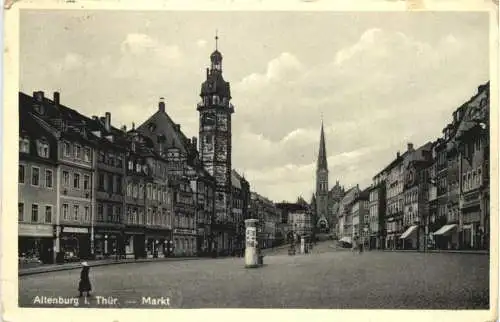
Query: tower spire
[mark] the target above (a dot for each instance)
(216, 39)
(322, 163)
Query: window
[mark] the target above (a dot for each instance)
(34, 213)
(24, 145)
(22, 173)
(86, 182)
(76, 181)
(135, 191)
(119, 161)
(20, 211)
(78, 152)
(111, 159)
(102, 157)
(66, 149)
(154, 192)
(65, 178)
(65, 211)
(87, 155)
(76, 210)
(35, 176)
(141, 191)
(86, 214)
(138, 167)
(129, 189)
(48, 214)
(479, 177)
(101, 182)
(110, 184)
(118, 213)
(131, 165)
(109, 213)
(48, 178)
(100, 212)
(43, 148)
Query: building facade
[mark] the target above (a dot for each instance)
(215, 111)
(37, 187)
(377, 209)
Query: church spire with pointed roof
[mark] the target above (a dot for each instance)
(322, 182)
(322, 162)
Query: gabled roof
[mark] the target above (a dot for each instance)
(163, 125)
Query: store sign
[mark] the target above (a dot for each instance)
(184, 231)
(76, 230)
(36, 230)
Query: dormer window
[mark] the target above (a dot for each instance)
(215, 99)
(131, 165)
(152, 127)
(133, 146)
(138, 167)
(43, 148)
(24, 144)
(78, 152)
(66, 149)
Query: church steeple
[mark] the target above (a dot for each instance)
(322, 163)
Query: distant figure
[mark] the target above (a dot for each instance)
(84, 284)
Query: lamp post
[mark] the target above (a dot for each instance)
(365, 229)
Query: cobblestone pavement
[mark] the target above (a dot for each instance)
(339, 280)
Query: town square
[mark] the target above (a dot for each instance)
(204, 160)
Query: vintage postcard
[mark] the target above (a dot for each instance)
(337, 158)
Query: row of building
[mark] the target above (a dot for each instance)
(87, 189)
(433, 196)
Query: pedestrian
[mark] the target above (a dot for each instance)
(84, 284)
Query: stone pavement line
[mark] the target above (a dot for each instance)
(475, 252)
(70, 266)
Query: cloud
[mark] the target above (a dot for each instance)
(70, 63)
(280, 69)
(372, 94)
(141, 54)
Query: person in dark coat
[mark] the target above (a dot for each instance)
(84, 284)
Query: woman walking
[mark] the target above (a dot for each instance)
(84, 284)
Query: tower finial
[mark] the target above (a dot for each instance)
(216, 39)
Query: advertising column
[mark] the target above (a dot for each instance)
(251, 256)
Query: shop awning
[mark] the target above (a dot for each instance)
(346, 239)
(408, 232)
(445, 229)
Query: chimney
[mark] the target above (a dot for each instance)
(195, 142)
(410, 146)
(208, 73)
(177, 127)
(38, 96)
(56, 98)
(161, 105)
(124, 128)
(95, 118)
(397, 154)
(107, 121)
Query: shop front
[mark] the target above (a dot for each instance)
(108, 243)
(447, 237)
(185, 242)
(134, 243)
(74, 243)
(158, 243)
(36, 243)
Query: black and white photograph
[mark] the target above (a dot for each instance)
(254, 160)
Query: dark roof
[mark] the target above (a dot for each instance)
(215, 85)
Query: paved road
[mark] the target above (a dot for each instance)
(336, 280)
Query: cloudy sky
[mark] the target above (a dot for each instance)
(379, 80)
